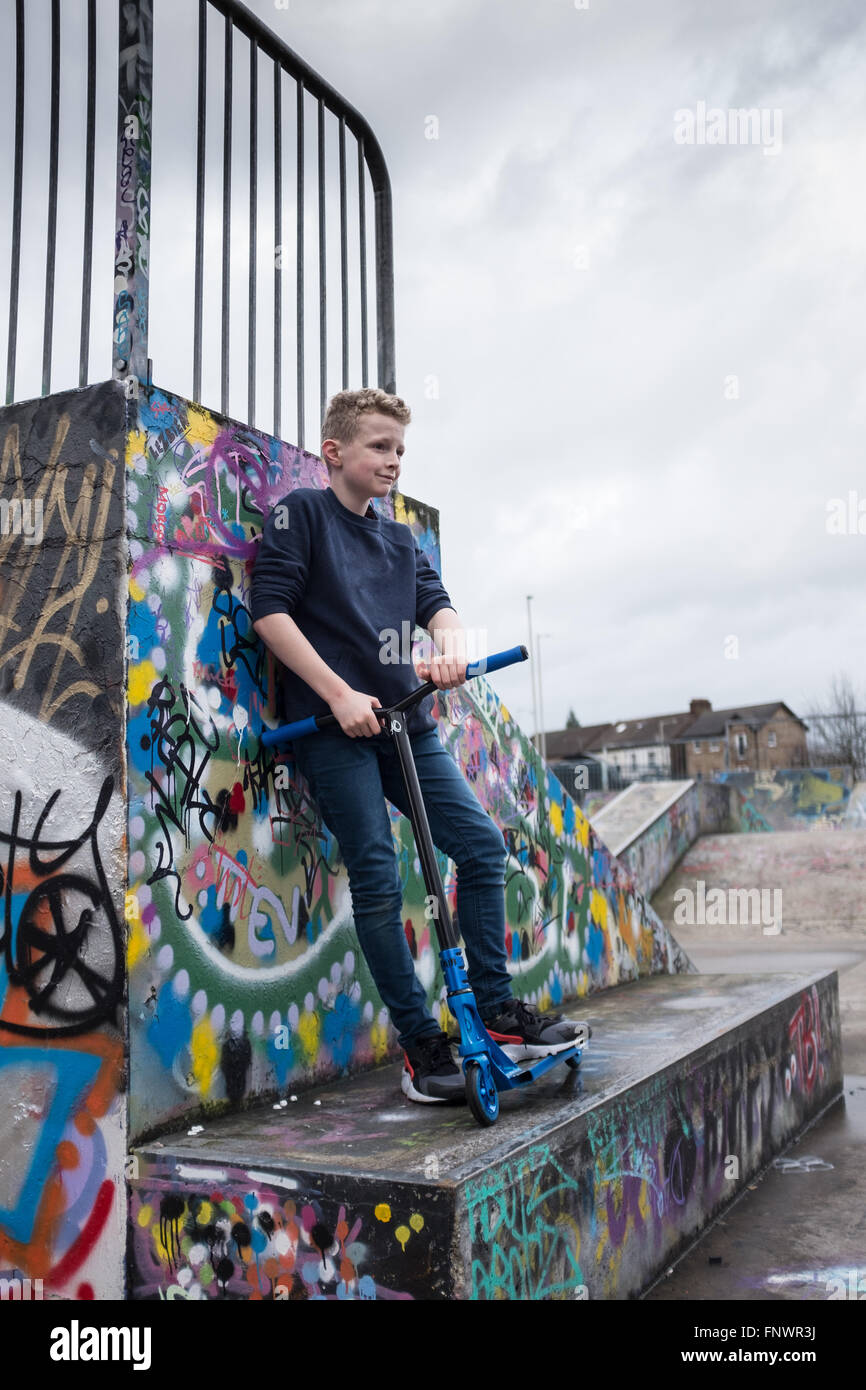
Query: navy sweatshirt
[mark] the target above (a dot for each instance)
(345, 579)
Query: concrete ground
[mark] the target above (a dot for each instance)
(799, 1232)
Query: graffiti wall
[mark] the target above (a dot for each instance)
(245, 976)
(599, 1209)
(357, 1200)
(789, 798)
(281, 1237)
(62, 843)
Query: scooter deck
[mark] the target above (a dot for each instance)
(476, 1044)
(515, 1075)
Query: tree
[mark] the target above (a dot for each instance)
(838, 735)
(572, 722)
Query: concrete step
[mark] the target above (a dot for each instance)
(588, 1186)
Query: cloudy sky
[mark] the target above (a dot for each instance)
(649, 353)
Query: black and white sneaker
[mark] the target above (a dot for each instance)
(523, 1032)
(430, 1073)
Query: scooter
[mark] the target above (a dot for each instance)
(486, 1068)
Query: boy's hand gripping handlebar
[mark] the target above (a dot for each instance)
(315, 722)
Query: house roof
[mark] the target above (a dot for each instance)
(572, 743)
(657, 729)
(711, 723)
(626, 733)
(642, 733)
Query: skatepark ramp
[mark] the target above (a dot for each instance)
(651, 825)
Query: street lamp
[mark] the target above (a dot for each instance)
(543, 748)
(532, 672)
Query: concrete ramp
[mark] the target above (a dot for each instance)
(855, 812)
(587, 1186)
(622, 820)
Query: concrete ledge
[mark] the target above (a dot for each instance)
(624, 819)
(586, 1187)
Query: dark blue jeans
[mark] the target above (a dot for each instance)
(349, 779)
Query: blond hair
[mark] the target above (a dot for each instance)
(344, 411)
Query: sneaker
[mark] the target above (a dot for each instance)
(522, 1032)
(430, 1073)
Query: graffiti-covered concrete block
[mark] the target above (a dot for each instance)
(62, 843)
(585, 1189)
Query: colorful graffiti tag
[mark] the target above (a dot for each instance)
(523, 1227)
(789, 798)
(598, 1210)
(271, 1237)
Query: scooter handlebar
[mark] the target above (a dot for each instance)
(496, 662)
(315, 722)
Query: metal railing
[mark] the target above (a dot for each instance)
(18, 46)
(114, 48)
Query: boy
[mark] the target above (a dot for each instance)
(331, 586)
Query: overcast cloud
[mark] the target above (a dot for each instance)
(584, 287)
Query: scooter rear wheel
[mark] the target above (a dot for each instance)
(481, 1094)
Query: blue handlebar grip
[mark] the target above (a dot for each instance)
(314, 723)
(496, 661)
(299, 729)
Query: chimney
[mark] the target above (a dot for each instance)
(697, 707)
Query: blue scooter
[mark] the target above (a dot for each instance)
(487, 1069)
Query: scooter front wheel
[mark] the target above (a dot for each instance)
(481, 1094)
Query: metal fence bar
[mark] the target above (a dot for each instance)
(278, 252)
(51, 244)
(130, 361)
(362, 225)
(254, 156)
(299, 293)
(199, 200)
(323, 269)
(90, 161)
(384, 274)
(246, 22)
(344, 257)
(227, 222)
(132, 215)
(15, 269)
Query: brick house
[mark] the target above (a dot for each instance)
(698, 743)
(746, 738)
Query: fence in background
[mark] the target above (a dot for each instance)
(277, 127)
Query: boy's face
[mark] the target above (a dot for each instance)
(369, 464)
